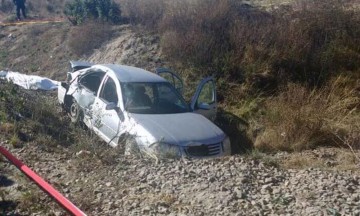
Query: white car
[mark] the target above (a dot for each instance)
(117, 101)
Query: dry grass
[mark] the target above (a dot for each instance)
(307, 42)
(299, 118)
(49, 8)
(7, 128)
(86, 38)
(33, 200)
(322, 158)
(147, 13)
(257, 52)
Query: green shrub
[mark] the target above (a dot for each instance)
(104, 10)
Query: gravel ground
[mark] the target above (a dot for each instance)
(233, 185)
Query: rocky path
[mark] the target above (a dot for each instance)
(229, 186)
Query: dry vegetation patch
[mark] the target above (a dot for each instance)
(84, 39)
(245, 43)
(299, 118)
(256, 52)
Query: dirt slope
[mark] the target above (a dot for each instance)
(43, 49)
(130, 48)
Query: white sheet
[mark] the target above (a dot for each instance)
(32, 82)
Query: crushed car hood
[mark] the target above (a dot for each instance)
(180, 129)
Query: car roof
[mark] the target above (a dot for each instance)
(132, 74)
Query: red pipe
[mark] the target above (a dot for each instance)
(65, 203)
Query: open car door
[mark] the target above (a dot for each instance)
(204, 100)
(172, 77)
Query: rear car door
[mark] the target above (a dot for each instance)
(88, 87)
(204, 100)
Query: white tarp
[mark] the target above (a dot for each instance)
(29, 81)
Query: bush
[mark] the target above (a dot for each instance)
(144, 12)
(6, 6)
(104, 10)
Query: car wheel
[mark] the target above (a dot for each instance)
(75, 112)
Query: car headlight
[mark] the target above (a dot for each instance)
(227, 146)
(164, 150)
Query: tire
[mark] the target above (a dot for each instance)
(75, 113)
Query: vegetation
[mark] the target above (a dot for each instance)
(87, 37)
(6, 6)
(30, 117)
(78, 11)
(289, 75)
(249, 44)
(299, 118)
(34, 118)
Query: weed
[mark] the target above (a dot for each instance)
(3, 58)
(169, 199)
(302, 162)
(282, 200)
(3, 194)
(15, 141)
(32, 201)
(7, 128)
(268, 160)
(33, 68)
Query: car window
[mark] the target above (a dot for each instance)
(92, 81)
(152, 98)
(167, 94)
(207, 94)
(177, 83)
(108, 92)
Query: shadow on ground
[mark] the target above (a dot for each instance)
(235, 128)
(7, 207)
(5, 181)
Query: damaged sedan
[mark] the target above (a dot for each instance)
(117, 102)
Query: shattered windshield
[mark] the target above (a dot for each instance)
(152, 98)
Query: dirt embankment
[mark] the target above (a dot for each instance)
(45, 49)
(130, 48)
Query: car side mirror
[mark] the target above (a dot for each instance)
(204, 106)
